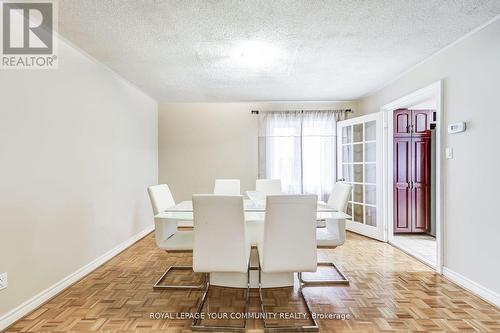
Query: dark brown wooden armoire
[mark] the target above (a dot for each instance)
(412, 170)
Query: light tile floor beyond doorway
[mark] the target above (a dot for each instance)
(423, 246)
(389, 292)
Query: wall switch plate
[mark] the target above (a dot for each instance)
(3, 281)
(449, 153)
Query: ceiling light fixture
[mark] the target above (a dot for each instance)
(255, 54)
(245, 59)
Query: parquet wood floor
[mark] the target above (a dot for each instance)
(389, 292)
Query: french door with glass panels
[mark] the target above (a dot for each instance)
(360, 163)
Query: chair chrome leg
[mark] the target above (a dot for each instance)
(159, 286)
(315, 283)
(286, 328)
(197, 326)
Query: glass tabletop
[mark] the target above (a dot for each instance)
(248, 206)
(254, 210)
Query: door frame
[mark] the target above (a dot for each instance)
(433, 90)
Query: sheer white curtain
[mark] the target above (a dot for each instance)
(319, 153)
(279, 148)
(300, 149)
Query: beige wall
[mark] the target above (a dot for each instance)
(471, 73)
(78, 148)
(200, 142)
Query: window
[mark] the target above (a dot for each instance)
(300, 149)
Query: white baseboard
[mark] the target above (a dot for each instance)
(17, 313)
(475, 288)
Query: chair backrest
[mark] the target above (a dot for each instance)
(268, 186)
(161, 198)
(340, 196)
(289, 243)
(219, 234)
(227, 186)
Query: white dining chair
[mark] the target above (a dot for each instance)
(289, 243)
(220, 244)
(167, 236)
(227, 186)
(268, 186)
(341, 192)
(263, 187)
(334, 233)
(339, 198)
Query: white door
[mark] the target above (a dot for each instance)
(360, 163)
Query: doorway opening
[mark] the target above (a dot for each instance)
(413, 178)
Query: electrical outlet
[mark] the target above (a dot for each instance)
(3, 281)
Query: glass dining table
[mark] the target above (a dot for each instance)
(254, 211)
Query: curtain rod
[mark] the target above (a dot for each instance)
(345, 110)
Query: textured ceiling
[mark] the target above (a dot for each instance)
(266, 50)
